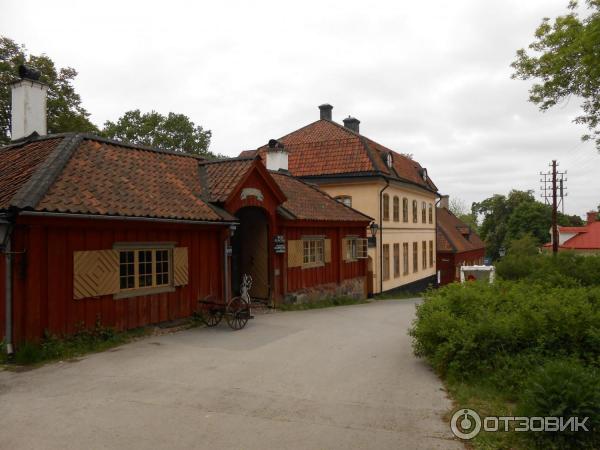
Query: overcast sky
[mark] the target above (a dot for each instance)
(427, 78)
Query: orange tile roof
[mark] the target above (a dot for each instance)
(221, 177)
(307, 202)
(450, 237)
(325, 148)
(18, 163)
(92, 175)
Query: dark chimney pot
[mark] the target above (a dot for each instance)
(325, 110)
(352, 123)
(592, 217)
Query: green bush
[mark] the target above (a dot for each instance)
(566, 269)
(474, 329)
(563, 388)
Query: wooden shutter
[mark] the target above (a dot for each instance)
(95, 273)
(295, 251)
(327, 250)
(180, 266)
(362, 246)
(345, 249)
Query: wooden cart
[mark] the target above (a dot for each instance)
(236, 311)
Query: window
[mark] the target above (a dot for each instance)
(430, 253)
(313, 252)
(424, 254)
(396, 209)
(385, 270)
(415, 256)
(430, 213)
(386, 207)
(414, 211)
(396, 260)
(356, 248)
(389, 160)
(405, 258)
(404, 209)
(144, 268)
(345, 199)
(423, 212)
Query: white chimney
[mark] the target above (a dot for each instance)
(445, 201)
(277, 156)
(28, 108)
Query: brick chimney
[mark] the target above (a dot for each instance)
(592, 216)
(352, 123)
(28, 107)
(325, 111)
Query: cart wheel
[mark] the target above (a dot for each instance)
(238, 313)
(211, 317)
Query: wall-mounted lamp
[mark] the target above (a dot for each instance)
(374, 227)
(232, 229)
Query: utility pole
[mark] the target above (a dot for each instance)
(554, 210)
(557, 189)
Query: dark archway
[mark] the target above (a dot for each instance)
(250, 252)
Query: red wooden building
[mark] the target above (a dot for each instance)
(104, 231)
(457, 245)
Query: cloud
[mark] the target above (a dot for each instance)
(427, 78)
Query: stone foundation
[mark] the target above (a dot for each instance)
(353, 288)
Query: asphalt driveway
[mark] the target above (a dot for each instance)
(333, 378)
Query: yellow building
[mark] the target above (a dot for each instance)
(383, 184)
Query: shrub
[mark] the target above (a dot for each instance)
(563, 388)
(473, 329)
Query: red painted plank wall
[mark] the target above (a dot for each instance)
(43, 276)
(334, 272)
(2, 296)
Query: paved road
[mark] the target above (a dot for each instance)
(334, 378)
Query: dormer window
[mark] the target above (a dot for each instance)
(424, 173)
(389, 160)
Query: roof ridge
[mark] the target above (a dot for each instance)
(221, 161)
(32, 192)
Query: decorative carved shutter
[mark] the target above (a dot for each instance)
(180, 266)
(295, 251)
(345, 249)
(327, 250)
(95, 273)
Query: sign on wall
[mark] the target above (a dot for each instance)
(279, 243)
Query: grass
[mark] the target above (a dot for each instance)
(328, 303)
(84, 341)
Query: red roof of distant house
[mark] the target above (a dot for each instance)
(453, 235)
(587, 237)
(326, 148)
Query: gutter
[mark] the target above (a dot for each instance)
(8, 291)
(387, 185)
(131, 218)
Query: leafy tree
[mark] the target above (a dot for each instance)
(526, 245)
(174, 132)
(566, 61)
(506, 218)
(65, 112)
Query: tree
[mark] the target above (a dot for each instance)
(458, 207)
(508, 218)
(65, 112)
(175, 132)
(526, 245)
(566, 61)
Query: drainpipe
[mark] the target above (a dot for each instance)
(387, 184)
(8, 296)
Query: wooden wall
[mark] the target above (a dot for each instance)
(334, 272)
(43, 275)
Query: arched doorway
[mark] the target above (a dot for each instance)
(250, 252)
